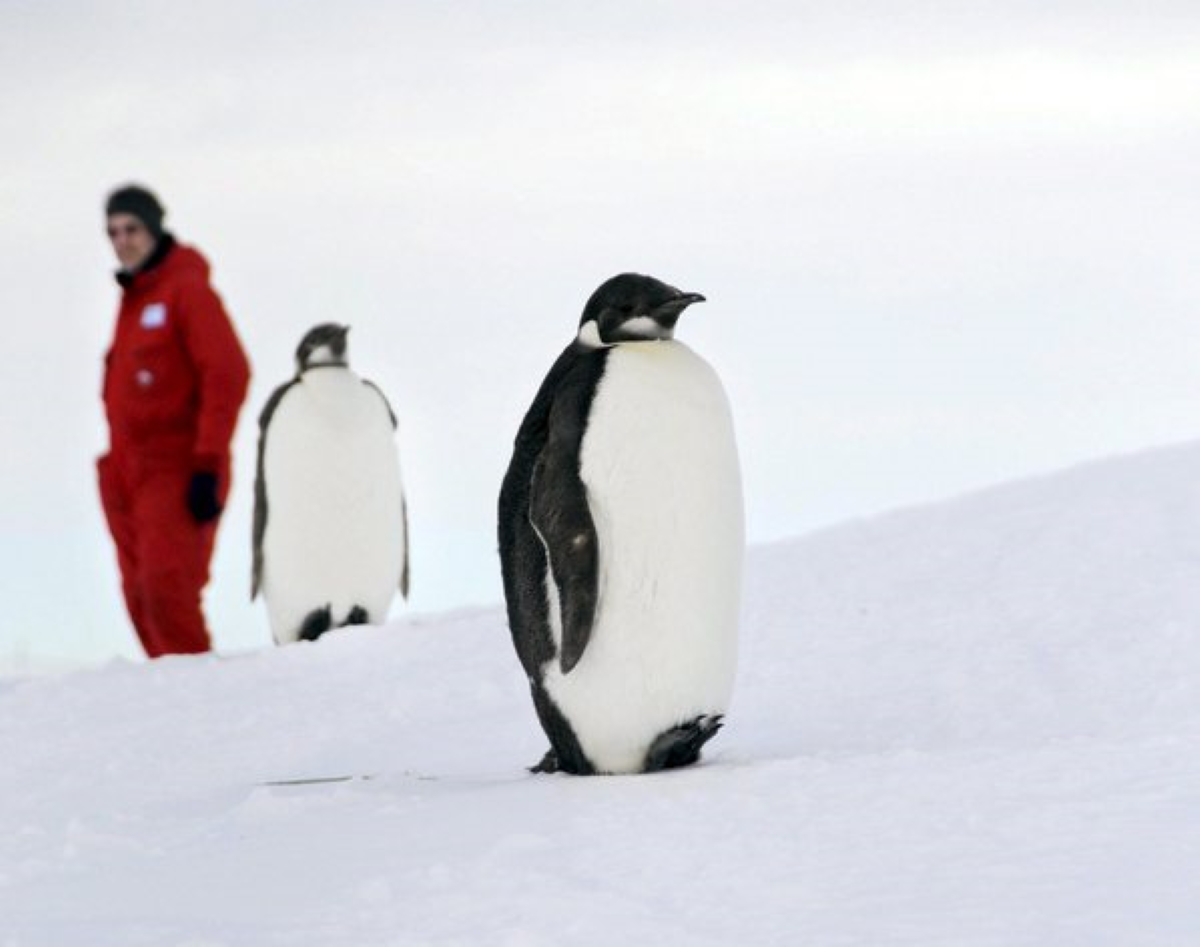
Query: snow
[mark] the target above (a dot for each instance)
(974, 723)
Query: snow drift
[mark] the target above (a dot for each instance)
(976, 723)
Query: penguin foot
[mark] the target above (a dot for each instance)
(315, 624)
(358, 616)
(680, 746)
(549, 763)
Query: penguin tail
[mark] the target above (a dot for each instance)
(680, 746)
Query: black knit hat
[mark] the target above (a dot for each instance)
(140, 202)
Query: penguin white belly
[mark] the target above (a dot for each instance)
(335, 530)
(659, 461)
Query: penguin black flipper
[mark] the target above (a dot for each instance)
(260, 483)
(404, 526)
(559, 512)
(565, 391)
(387, 404)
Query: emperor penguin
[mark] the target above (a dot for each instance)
(621, 540)
(330, 518)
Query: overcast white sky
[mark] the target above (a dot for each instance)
(943, 244)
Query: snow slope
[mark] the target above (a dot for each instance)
(976, 723)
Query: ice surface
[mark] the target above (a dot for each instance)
(975, 723)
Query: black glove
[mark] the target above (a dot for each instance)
(202, 497)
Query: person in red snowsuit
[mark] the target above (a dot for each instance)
(174, 381)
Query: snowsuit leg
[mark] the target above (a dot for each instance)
(163, 554)
(114, 498)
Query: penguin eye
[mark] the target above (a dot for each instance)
(626, 309)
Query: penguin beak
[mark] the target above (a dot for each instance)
(674, 307)
(669, 312)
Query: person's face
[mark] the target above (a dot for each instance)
(132, 242)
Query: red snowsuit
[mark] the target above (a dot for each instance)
(174, 381)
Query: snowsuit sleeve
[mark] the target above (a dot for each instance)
(222, 372)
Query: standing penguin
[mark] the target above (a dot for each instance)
(330, 524)
(621, 540)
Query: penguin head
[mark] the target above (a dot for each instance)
(322, 345)
(633, 308)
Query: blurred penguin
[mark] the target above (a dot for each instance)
(330, 521)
